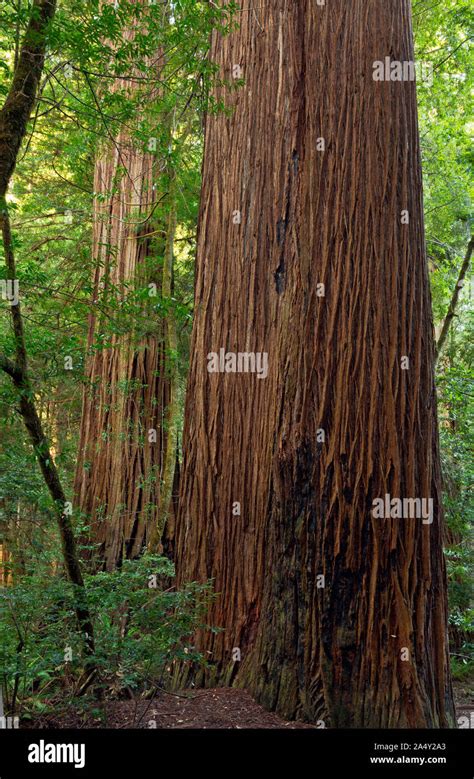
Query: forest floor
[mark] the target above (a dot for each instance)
(220, 708)
(216, 708)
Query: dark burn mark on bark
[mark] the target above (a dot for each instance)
(279, 277)
(348, 495)
(295, 159)
(279, 274)
(281, 231)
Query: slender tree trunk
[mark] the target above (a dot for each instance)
(455, 298)
(338, 615)
(6, 575)
(14, 117)
(21, 97)
(18, 372)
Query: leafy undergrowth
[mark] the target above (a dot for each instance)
(142, 626)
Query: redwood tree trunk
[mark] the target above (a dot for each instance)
(342, 418)
(123, 439)
(126, 393)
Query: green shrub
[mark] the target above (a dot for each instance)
(141, 626)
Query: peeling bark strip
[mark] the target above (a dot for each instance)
(369, 648)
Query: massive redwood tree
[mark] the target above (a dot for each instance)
(338, 614)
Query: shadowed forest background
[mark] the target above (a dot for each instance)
(104, 109)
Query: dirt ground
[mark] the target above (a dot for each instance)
(214, 709)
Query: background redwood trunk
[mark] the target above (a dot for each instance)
(312, 216)
(123, 440)
(118, 474)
